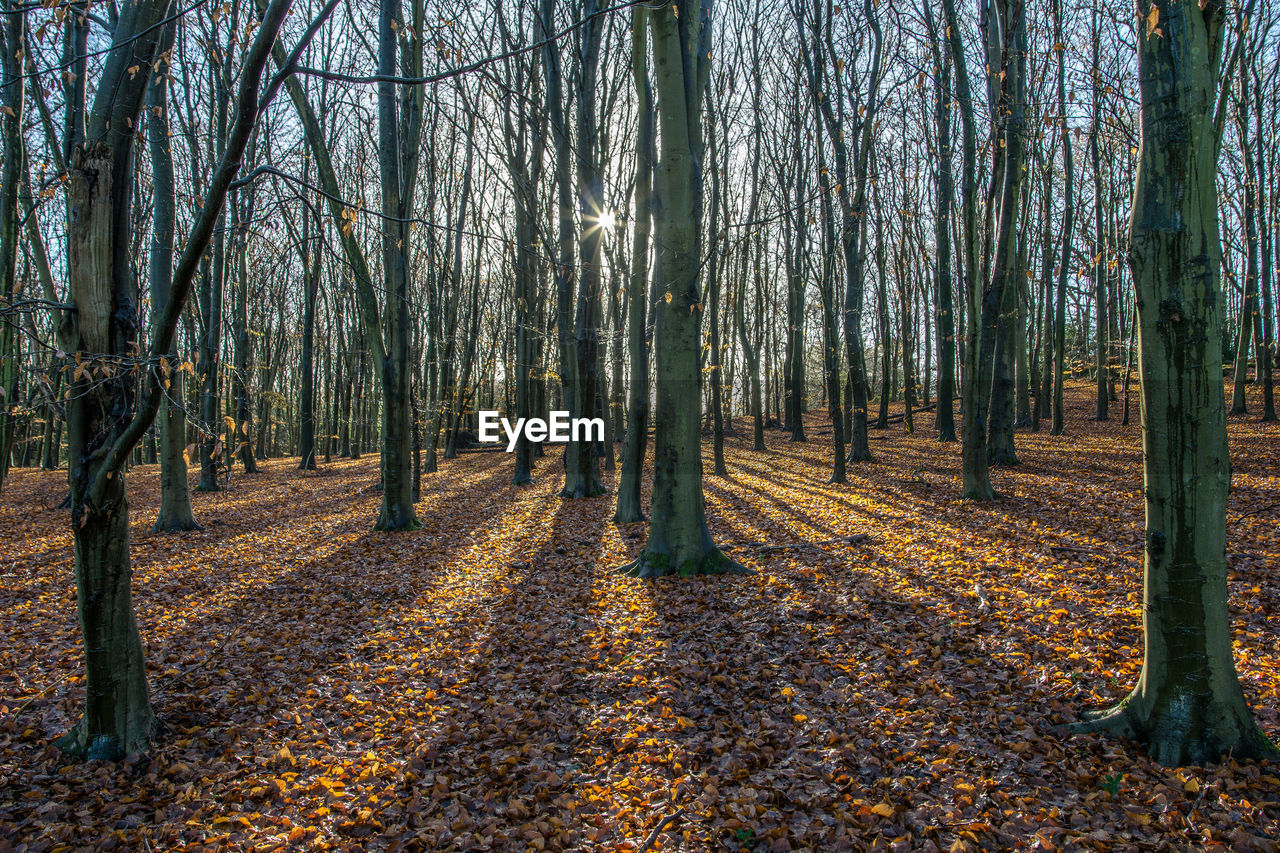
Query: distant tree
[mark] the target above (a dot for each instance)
(175, 496)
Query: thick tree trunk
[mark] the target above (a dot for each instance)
(1188, 705)
(984, 344)
(679, 542)
(104, 423)
(117, 720)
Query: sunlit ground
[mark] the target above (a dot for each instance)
(491, 682)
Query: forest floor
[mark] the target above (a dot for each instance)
(491, 682)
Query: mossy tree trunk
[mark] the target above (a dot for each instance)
(1188, 705)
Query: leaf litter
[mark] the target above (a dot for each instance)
(891, 677)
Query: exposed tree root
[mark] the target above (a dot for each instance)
(1179, 739)
(653, 565)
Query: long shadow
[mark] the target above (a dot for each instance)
(287, 657)
(782, 514)
(536, 678)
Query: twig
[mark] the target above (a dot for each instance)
(1070, 550)
(202, 662)
(765, 548)
(1266, 508)
(16, 711)
(657, 830)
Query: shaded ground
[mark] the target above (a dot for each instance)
(491, 683)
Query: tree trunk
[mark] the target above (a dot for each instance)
(984, 344)
(12, 89)
(679, 542)
(1188, 705)
(396, 512)
(175, 497)
(1068, 222)
(307, 403)
(1266, 226)
(830, 329)
(1249, 215)
(633, 451)
(1101, 348)
(942, 239)
(241, 439)
(714, 264)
